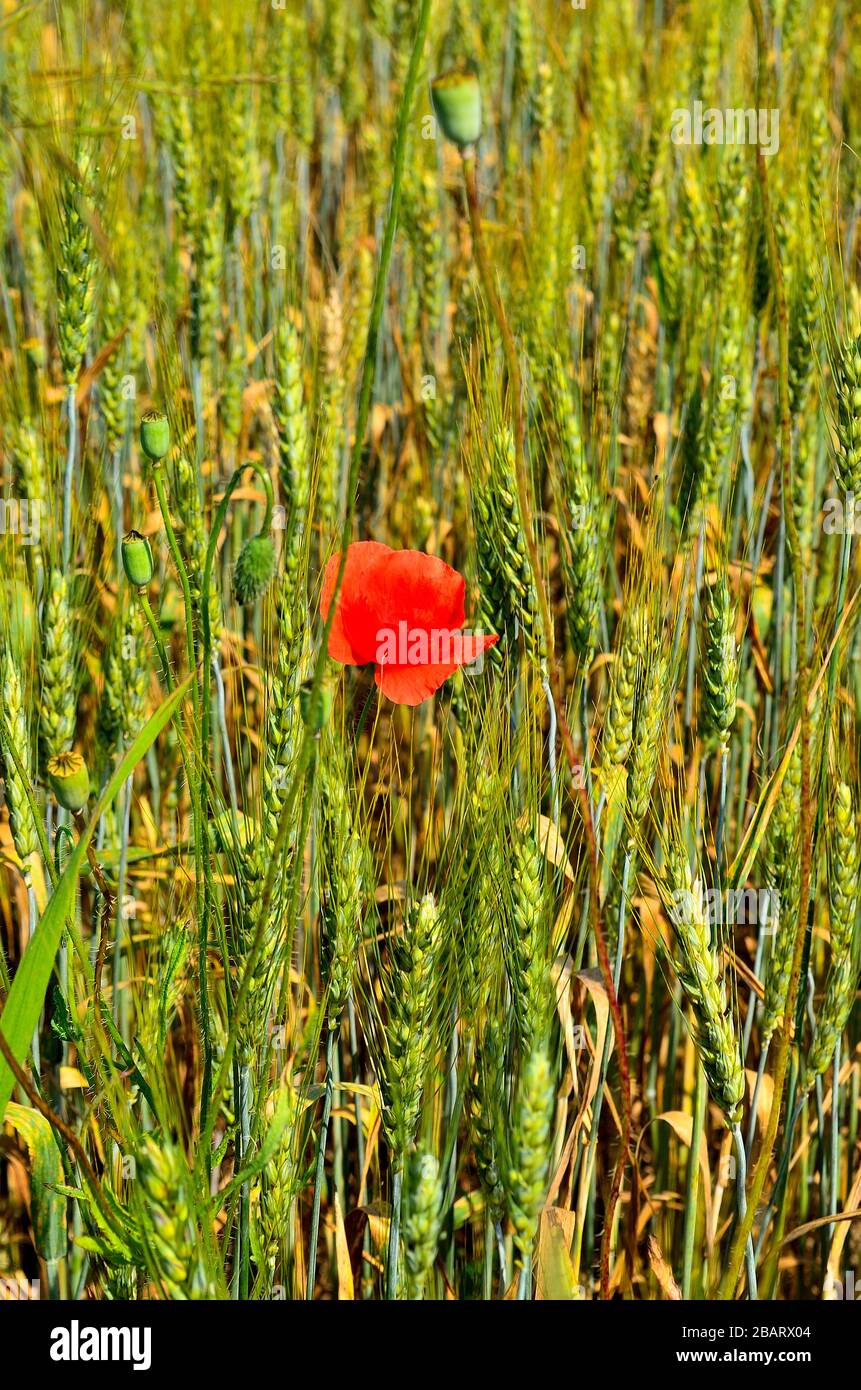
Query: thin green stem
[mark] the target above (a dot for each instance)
(835, 1135)
(182, 573)
(320, 1166)
(760, 1073)
(692, 1178)
(69, 476)
(740, 1188)
(394, 1228)
(143, 600)
(206, 578)
(245, 1190)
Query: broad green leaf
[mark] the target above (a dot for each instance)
(556, 1278)
(26, 997)
(47, 1205)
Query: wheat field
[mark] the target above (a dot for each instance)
(429, 650)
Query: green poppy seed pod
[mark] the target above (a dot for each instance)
(155, 435)
(315, 713)
(254, 569)
(137, 559)
(70, 780)
(456, 98)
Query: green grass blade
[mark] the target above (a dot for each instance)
(21, 1014)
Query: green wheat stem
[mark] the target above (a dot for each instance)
(245, 1190)
(488, 1255)
(689, 1229)
(776, 1195)
(757, 1087)
(394, 1228)
(320, 1165)
(741, 1200)
(598, 1101)
(835, 1134)
(69, 476)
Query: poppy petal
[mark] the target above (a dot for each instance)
(473, 644)
(410, 587)
(364, 558)
(411, 685)
(421, 588)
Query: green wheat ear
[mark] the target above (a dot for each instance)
(843, 886)
(619, 720)
(720, 660)
(28, 462)
(163, 1193)
(282, 1180)
(528, 946)
(410, 1043)
(782, 859)
(486, 1116)
(697, 966)
(847, 416)
(76, 265)
(651, 719)
(507, 602)
(344, 875)
(423, 1220)
(291, 416)
(529, 1155)
(14, 732)
(844, 891)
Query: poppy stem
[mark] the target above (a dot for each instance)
(320, 1165)
(515, 385)
(363, 716)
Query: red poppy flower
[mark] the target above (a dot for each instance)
(403, 611)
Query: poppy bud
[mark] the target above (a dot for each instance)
(254, 570)
(70, 780)
(456, 98)
(315, 713)
(155, 435)
(137, 559)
